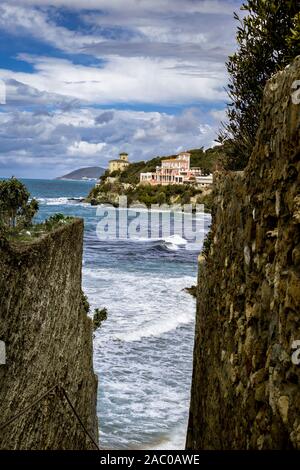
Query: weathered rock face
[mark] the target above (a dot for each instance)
(246, 389)
(48, 340)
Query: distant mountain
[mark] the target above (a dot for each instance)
(90, 172)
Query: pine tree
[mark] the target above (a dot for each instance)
(268, 39)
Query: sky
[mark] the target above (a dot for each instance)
(83, 80)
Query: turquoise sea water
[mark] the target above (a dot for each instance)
(143, 352)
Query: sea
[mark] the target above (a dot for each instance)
(143, 351)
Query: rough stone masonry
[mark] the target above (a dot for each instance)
(246, 387)
(48, 339)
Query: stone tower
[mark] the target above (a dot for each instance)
(124, 157)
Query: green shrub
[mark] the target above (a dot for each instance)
(115, 173)
(57, 219)
(100, 315)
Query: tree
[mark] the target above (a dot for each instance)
(205, 171)
(28, 212)
(268, 39)
(14, 205)
(161, 197)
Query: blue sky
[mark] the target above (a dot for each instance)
(86, 79)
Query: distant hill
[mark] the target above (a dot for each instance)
(90, 172)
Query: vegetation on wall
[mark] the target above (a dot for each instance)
(57, 219)
(207, 244)
(85, 302)
(100, 315)
(268, 39)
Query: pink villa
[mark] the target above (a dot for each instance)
(175, 170)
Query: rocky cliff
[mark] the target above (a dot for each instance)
(48, 339)
(246, 388)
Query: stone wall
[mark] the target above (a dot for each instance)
(48, 340)
(246, 389)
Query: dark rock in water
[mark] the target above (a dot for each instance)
(76, 199)
(191, 290)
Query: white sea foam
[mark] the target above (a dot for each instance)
(175, 440)
(143, 352)
(62, 201)
(143, 366)
(159, 304)
(156, 328)
(176, 240)
(171, 247)
(171, 243)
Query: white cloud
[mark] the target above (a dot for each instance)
(61, 141)
(155, 52)
(166, 52)
(137, 79)
(19, 20)
(18, 94)
(161, 6)
(219, 114)
(166, 21)
(83, 148)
